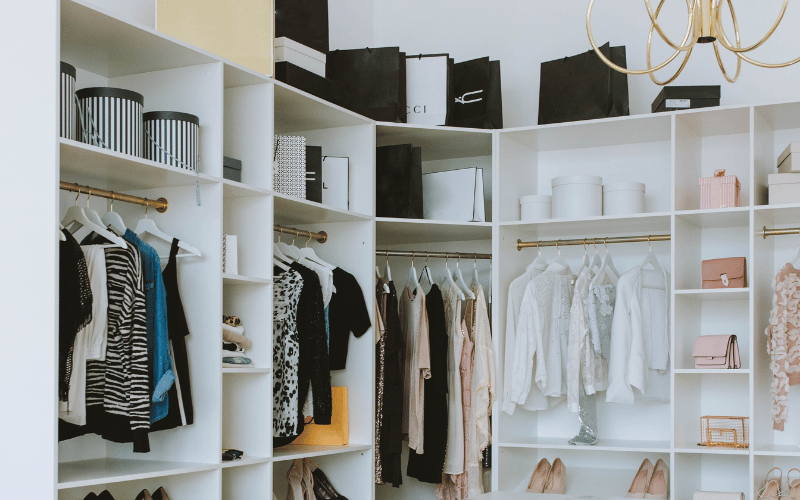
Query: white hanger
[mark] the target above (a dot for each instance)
(596, 262)
(426, 271)
(540, 259)
(585, 262)
(278, 263)
(309, 254)
(412, 274)
(77, 217)
(91, 214)
(559, 259)
(276, 251)
(289, 251)
(449, 278)
(113, 220)
(650, 258)
(147, 225)
(387, 270)
(378, 276)
(475, 278)
(607, 269)
(460, 281)
(61, 236)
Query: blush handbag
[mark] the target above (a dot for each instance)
(716, 352)
(730, 272)
(717, 495)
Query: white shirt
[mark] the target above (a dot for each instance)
(579, 339)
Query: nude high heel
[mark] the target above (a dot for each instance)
(294, 476)
(772, 486)
(308, 479)
(144, 495)
(658, 488)
(793, 486)
(556, 481)
(539, 476)
(640, 480)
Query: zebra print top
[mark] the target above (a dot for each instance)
(120, 383)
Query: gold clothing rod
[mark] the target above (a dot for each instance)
(160, 204)
(779, 232)
(321, 236)
(435, 255)
(592, 241)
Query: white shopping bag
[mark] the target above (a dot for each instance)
(428, 89)
(336, 182)
(454, 195)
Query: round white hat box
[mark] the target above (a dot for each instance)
(535, 207)
(577, 196)
(622, 198)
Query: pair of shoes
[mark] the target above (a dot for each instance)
(650, 482)
(548, 478)
(323, 488)
(105, 495)
(772, 487)
(160, 494)
(301, 482)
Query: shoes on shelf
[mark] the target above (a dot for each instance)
(323, 488)
(658, 487)
(144, 495)
(90, 496)
(160, 494)
(772, 486)
(308, 480)
(641, 480)
(792, 491)
(294, 476)
(556, 480)
(539, 476)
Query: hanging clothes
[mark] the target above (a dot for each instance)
(783, 341)
(287, 287)
(414, 324)
(428, 467)
(516, 291)
(482, 388)
(599, 306)
(181, 406)
(639, 350)
(579, 346)
(394, 375)
(380, 358)
(454, 458)
(347, 313)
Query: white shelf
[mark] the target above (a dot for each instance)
(237, 279)
(778, 214)
(390, 231)
(699, 371)
(519, 495)
(244, 462)
(297, 111)
(233, 189)
(715, 294)
(581, 482)
(437, 143)
(716, 218)
(289, 210)
(112, 470)
(291, 451)
(647, 223)
(106, 169)
(710, 450)
(619, 445)
(246, 371)
(778, 450)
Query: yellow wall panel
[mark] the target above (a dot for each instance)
(239, 30)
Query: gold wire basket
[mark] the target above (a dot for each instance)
(732, 432)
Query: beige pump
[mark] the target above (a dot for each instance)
(640, 480)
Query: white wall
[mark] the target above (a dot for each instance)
(351, 24)
(524, 33)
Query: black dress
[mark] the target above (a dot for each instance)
(394, 375)
(429, 466)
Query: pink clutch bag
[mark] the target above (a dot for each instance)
(725, 273)
(716, 352)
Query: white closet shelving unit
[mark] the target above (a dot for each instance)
(240, 111)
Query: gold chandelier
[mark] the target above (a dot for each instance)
(705, 26)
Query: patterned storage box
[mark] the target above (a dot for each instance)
(112, 119)
(172, 138)
(68, 109)
(720, 191)
(289, 169)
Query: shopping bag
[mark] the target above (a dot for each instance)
(371, 82)
(398, 180)
(583, 87)
(336, 434)
(304, 21)
(428, 89)
(477, 102)
(454, 195)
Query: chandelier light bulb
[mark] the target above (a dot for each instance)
(704, 26)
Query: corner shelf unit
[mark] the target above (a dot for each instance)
(240, 111)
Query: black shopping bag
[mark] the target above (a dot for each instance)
(478, 99)
(398, 180)
(304, 21)
(583, 87)
(371, 82)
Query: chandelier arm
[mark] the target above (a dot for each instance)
(768, 65)
(723, 38)
(610, 64)
(691, 7)
(725, 43)
(673, 77)
(722, 67)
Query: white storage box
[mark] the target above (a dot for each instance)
(298, 54)
(789, 160)
(784, 188)
(535, 207)
(622, 198)
(454, 195)
(577, 196)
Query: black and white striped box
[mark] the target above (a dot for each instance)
(111, 118)
(68, 119)
(173, 138)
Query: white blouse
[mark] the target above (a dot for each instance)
(579, 339)
(454, 457)
(482, 389)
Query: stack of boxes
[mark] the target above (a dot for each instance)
(784, 187)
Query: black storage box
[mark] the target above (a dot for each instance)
(674, 98)
(304, 80)
(232, 169)
(314, 173)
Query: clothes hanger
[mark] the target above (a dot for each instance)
(559, 259)
(91, 214)
(650, 258)
(113, 220)
(540, 259)
(607, 269)
(388, 270)
(78, 219)
(449, 277)
(475, 278)
(412, 274)
(460, 281)
(61, 236)
(278, 258)
(309, 254)
(585, 262)
(378, 276)
(148, 226)
(426, 271)
(596, 262)
(290, 251)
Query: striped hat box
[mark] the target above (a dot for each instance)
(172, 138)
(68, 116)
(111, 118)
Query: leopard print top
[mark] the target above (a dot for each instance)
(285, 353)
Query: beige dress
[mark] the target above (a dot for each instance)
(483, 391)
(454, 458)
(414, 324)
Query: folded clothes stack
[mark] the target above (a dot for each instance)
(234, 344)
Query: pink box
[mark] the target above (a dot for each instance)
(720, 191)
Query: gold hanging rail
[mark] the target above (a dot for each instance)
(592, 241)
(779, 232)
(160, 204)
(321, 236)
(434, 255)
